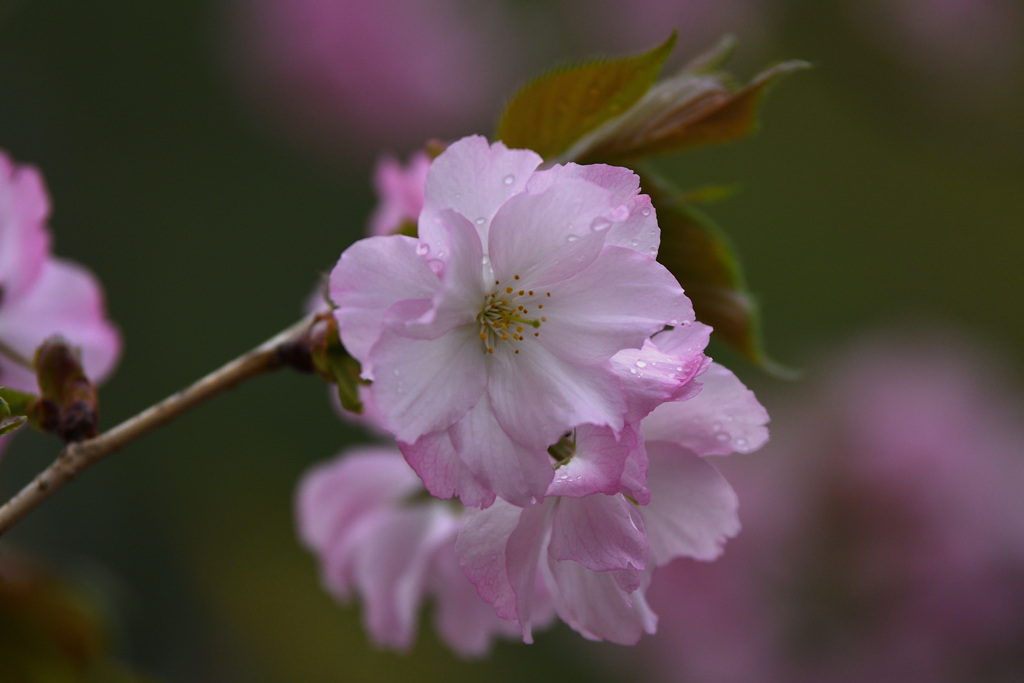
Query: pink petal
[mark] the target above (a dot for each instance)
(594, 604)
(537, 397)
(65, 299)
(723, 418)
(372, 275)
(392, 568)
(522, 554)
(651, 377)
(426, 385)
(600, 532)
(481, 548)
(692, 510)
(639, 228)
(516, 472)
(616, 303)
(399, 192)
(437, 463)
(474, 179)
(333, 498)
(465, 622)
(598, 464)
(548, 237)
(24, 239)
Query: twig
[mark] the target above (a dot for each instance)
(77, 456)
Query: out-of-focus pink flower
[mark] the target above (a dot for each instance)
(399, 193)
(497, 326)
(370, 75)
(377, 534)
(41, 295)
(884, 534)
(964, 45)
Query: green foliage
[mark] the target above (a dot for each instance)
(613, 112)
(698, 253)
(15, 406)
(551, 113)
(333, 362)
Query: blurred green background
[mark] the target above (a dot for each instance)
(881, 189)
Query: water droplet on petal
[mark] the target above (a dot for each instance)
(572, 238)
(679, 368)
(620, 213)
(641, 364)
(646, 212)
(635, 243)
(509, 179)
(633, 370)
(480, 221)
(422, 248)
(722, 437)
(741, 443)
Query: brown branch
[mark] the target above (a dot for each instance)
(77, 456)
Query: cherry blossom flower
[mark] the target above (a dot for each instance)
(492, 334)
(376, 533)
(41, 295)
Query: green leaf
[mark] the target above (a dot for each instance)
(688, 110)
(14, 402)
(698, 253)
(9, 424)
(554, 111)
(333, 361)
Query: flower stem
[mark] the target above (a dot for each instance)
(77, 456)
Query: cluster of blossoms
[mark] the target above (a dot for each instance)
(534, 361)
(41, 295)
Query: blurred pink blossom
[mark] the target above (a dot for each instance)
(377, 534)
(361, 76)
(884, 534)
(972, 45)
(41, 295)
(399, 193)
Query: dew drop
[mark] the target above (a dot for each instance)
(722, 437)
(641, 364)
(633, 370)
(646, 212)
(741, 443)
(422, 248)
(620, 213)
(679, 368)
(635, 243)
(572, 238)
(509, 179)
(480, 221)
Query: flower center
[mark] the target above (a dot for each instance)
(505, 315)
